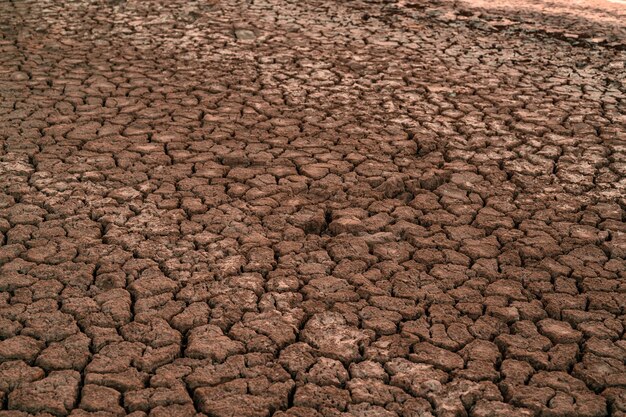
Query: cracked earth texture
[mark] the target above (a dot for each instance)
(311, 208)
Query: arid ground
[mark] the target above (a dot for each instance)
(312, 208)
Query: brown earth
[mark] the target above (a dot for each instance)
(312, 208)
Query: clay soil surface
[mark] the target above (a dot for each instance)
(312, 208)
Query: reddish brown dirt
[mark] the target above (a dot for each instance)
(311, 208)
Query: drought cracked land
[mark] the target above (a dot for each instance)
(312, 208)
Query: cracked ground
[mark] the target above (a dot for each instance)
(306, 208)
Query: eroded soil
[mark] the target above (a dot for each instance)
(311, 208)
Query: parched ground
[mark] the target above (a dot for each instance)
(298, 208)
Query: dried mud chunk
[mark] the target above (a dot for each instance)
(478, 371)
(481, 248)
(491, 219)
(234, 398)
(152, 358)
(279, 328)
(584, 404)
(425, 352)
(347, 224)
(417, 378)
(71, 353)
(228, 308)
(209, 342)
(15, 373)
(298, 412)
(449, 275)
(349, 248)
(79, 307)
(312, 396)
(330, 289)
(152, 283)
(214, 374)
(374, 391)
(559, 331)
(46, 289)
(155, 332)
(196, 314)
(158, 307)
(260, 366)
(563, 356)
(297, 357)
(600, 372)
(230, 265)
(368, 370)
(442, 315)
(387, 348)
(393, 186)
(481, 350)
(616, 397)
(315, 171)
(11, 251)
(20, 347)
(10, 281)
(416, 407)
(327, 372)
(527, 344)
(4, 413)
(425, 201)
(559, 394)
(557, 303)
(170, 374)
(311, 222)
(617, 246)
(609, 329)
(364, 410)
(524, 167)
(406, 308)
(375, 225)
(9, 328)
(102, 336)
(175, 410)
(513, 290)
(330, 334)
(383, 322)
(460, 395)
(560, 381)
(114, 307)
(261, 260)
(505, 314)
(604, 347)
(147, 398)
(485, 408)
(115, 357)
(50, 327)
(205, 289)
(98, 398)
(603, 301)
(533, 398)
(55, 394)
(25, 214)
(395, 251)
(532, 311)
(516, 372)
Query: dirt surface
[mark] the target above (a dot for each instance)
(312, 208)
(611, 12)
